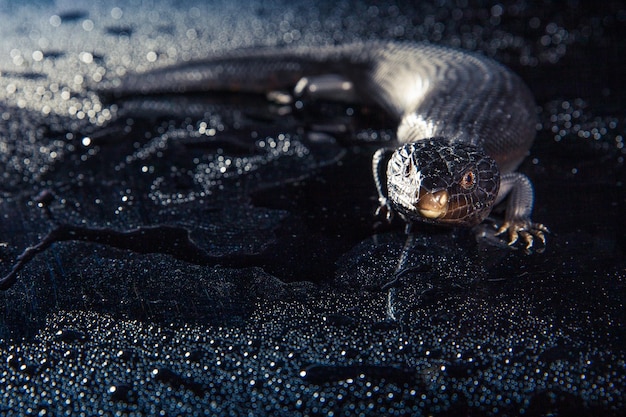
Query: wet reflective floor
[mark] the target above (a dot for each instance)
(216, 254)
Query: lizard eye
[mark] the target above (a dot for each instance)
(468, 180)
(408, 168)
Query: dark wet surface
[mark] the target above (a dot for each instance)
(226, 260)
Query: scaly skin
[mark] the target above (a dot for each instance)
(465, 122)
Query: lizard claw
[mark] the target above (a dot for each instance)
(384, 210)
(524, 230)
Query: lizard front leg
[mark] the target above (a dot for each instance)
(378, 171)
(517, 222)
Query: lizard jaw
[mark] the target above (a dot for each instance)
(433, 205)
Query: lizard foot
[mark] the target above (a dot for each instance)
(384, 210)
(524, 230)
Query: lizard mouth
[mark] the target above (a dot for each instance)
(433, 205)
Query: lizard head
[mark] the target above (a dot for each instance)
(439, 182)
